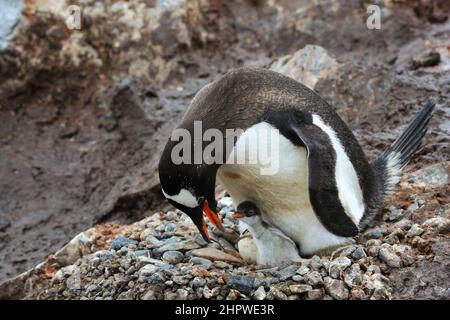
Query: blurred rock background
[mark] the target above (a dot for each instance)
(84, 113)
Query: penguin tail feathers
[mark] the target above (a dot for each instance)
(390, 163)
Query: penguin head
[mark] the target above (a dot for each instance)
(246, 209)
(191, 189)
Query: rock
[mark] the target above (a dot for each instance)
(298, 278)
(148, 270)
(359, 253)
(287, 272)
(202, 262)
(149, 295)
(185, 245)
(415, 230)
(307, 65)
(394, 213)
(233, 294)
(338, 265)
(299, 288)
(214, 254)
(433, 176)
(377, 284)
(374, 233)
(182, 294)
(352, 276)
(336, 288)
(198, 282)
(120, 242)
(315, 294)
(277, 294)
(170, 227)
(241, 283)
(173, 257)
(427, 59)
(207, 293)
(358, 294)
(303, 270)
(76, 248)
(387, 255)
(259, 294)
(314, 279)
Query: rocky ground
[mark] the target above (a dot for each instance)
(164, 257)
(84, 115)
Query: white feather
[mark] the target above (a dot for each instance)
(349, 190)
(184, 197)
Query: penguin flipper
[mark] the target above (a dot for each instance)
(323, 190)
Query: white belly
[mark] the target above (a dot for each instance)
(282, 197)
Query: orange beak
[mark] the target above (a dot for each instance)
(237, 215)
(212, 216)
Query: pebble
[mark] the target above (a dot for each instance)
(173, 257)
(241, 283)
(336, 288)
(260, 293)
(359, 253)
(298, 278)
(338, 265)
(202, 262)
(314, 279)
(178, 246)
(215, 254)
(315, 294)
(415, 230)
(375, 234)
(120, 242)
(287, 272)
(170, 227)
(387, 255)
(299, 288)
(198, 282)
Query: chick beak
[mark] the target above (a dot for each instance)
(212, 216)
(237, 215)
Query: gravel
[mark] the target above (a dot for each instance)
(147, 261)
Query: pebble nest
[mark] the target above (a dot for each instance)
(164, 257)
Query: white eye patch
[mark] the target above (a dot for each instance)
(184, 197)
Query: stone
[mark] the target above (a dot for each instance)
(241, 283)
(202, 262)
(387, 255)
(336, 288)
(148, 270)
(352, 276)
(299, 288)
(120, 242)
(298, 278)
(182, 294)
(338, 265)
(198, 282)
(184, 245)
(173, 257)
(433, 176)
(287, 272)
(359, 253)
(415, 230)
(315, 294)
(314, 279)
(207, 293)
(149, 295)
(307, 65)
(259, 294)
(214, 254)
(277, 294)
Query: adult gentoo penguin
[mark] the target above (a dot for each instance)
(325, 190)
